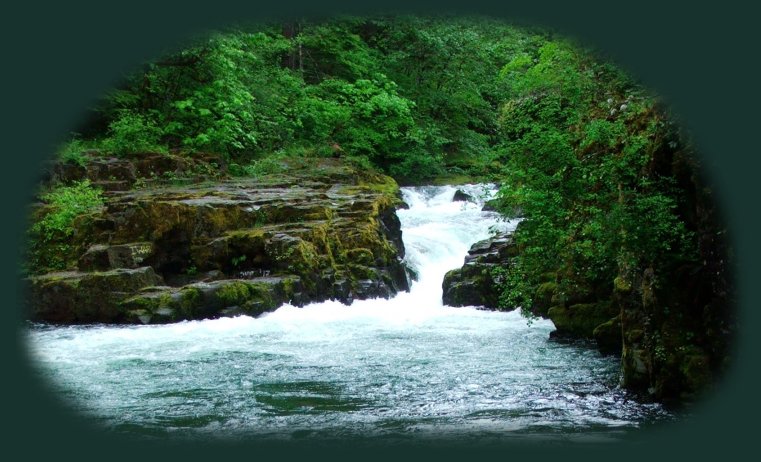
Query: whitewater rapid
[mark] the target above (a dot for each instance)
(399, 368)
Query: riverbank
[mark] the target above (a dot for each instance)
(383, 371)
(188, 247)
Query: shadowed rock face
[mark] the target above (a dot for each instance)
(474, 284)
(242, 246)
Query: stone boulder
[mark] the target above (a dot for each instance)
(85, 297)
(474, 284)
(581, 319)
(212, 299)
(608, 336)
(101, 257)
(462, 196)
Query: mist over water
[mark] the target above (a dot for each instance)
(408, 368)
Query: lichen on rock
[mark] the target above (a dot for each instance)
(318, 231)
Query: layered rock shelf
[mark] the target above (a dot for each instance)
(166, 253)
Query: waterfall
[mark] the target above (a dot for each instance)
(438, 232)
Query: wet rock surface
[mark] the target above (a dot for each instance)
(474, 284)
(236, 246)
(462, 196)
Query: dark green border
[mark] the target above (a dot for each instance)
(58, 58)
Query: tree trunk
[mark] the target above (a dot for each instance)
(290, 30)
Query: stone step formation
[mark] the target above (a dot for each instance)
(171, 252)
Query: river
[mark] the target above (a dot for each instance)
(404, 369)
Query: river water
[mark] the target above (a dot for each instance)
(405, 369)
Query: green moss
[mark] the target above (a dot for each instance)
(140, 302)
(608, 335)
(360, 256)
(380, 183)
(385, 189)
(543, 298)
(289, 287)
(262, 296)
(325, 241)
(246, 234)
(581, 319)
(234, 293)
(164, 301)
(190, 297)
(635, 365)
(361, 271)
(621, 285)
(548, 277)
(148, 303)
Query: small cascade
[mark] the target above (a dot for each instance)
(398, 368)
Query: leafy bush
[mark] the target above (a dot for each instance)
(132, 132)
(51, 235)
(72, 152)
(257, 168)
(583, 172)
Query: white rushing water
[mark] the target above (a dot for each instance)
(408, 367)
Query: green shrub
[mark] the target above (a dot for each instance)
(257, 168)
(72, 152)
(50, 237)
(132, 132)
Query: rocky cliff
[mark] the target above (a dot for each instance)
(671, 323)
(168, 246)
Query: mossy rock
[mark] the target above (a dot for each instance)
(471, 285)
(312, 221)
(576, 295)
(360, 256)
(608, 336)
(581, 319)
(76, 297)
(104, 257)
(213, 299)
(635, 368)
(621, 285)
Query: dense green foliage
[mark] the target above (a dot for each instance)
(52, 233)
(415, 97)
(579, 146)
(574, 141)
(619, 239)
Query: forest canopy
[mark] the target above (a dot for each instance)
(571, 137)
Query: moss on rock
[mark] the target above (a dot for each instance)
(608, 336)
(308, 232)
(543, 298)
(76, 297)
(580, 319)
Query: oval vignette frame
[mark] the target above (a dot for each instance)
(33, 411)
